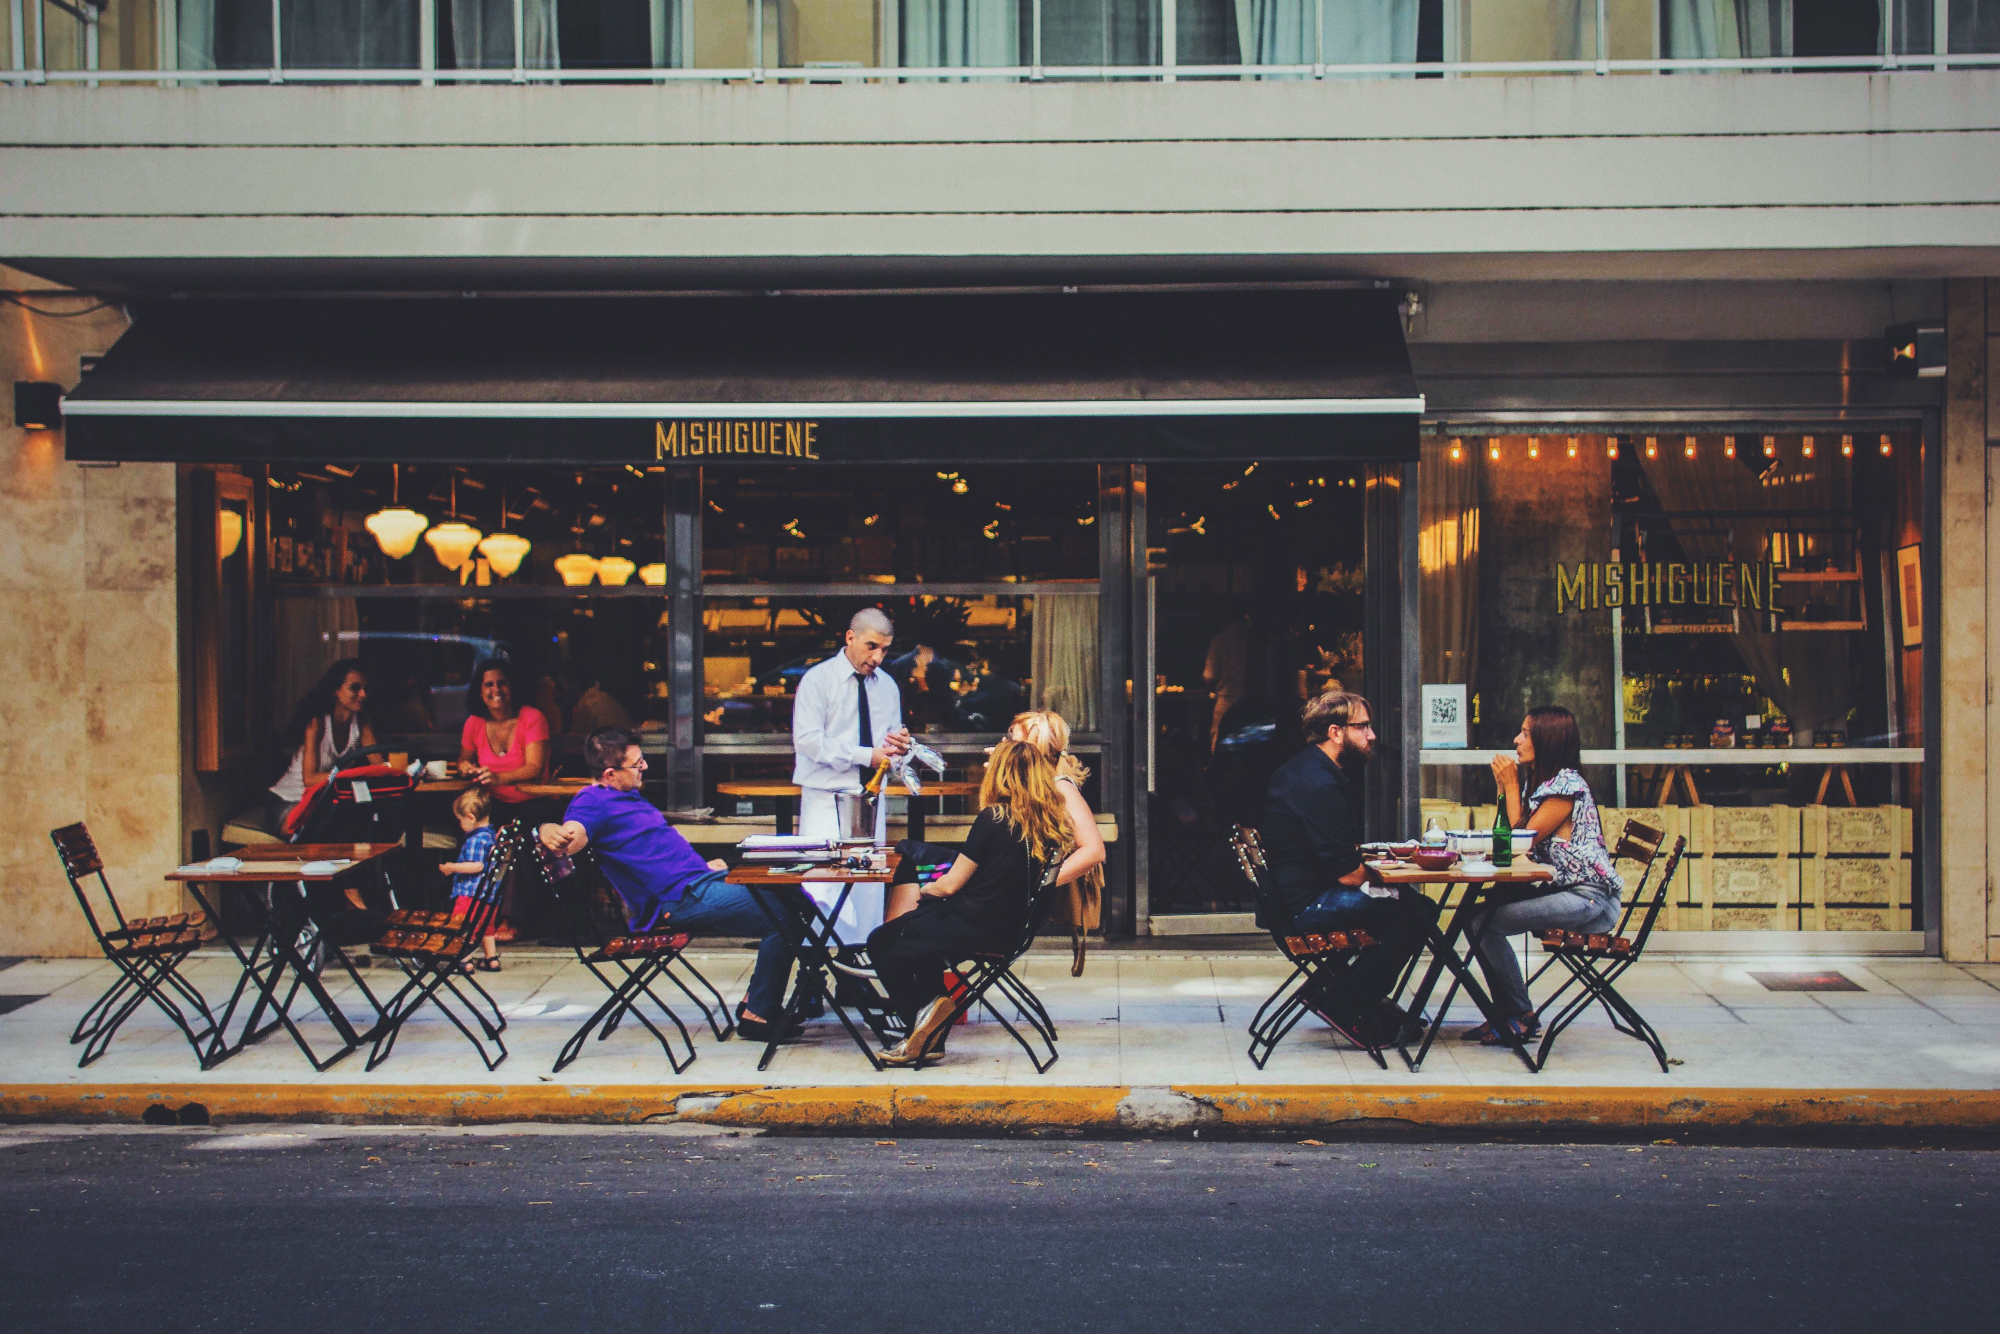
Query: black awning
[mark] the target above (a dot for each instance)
(1104, 377)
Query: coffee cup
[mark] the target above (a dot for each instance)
(438, 769)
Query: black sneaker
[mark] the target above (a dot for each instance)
(1394, 1026)
(762, 1030)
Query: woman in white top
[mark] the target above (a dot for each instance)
(328, 723)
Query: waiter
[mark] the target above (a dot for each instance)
(846, 722)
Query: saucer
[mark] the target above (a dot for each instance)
(1478, 868)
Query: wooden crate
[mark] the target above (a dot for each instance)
(1856, 868)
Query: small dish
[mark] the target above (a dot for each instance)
(1434, 859)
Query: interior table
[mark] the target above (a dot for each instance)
(808, 927)
(1483, 885)
(287, 933)
(785, 798)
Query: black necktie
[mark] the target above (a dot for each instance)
(867, 730)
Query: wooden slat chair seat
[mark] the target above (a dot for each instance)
(148, 952)
(433, 957)
(984, 973)
(1307, 952)
(628, 963)
(1596, 960)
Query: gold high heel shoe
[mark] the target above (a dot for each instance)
(907, 1052)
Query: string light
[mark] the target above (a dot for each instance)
(1493, 450)
(959, 486)
(1886, 447)
(1806, 447)
(1770, 446)
(1570, 444)
(1687, 447)
(1847, 446)
(1610, 446)
(1729, 446)
(1652, 446)
(1458, 448)
(1534, 446)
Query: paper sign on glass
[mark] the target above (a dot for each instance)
(1444, 717)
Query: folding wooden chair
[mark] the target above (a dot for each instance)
(1307, 952)
(432, 949)
(1597, 960)
(981, 974)
(148, 953)
(628, 963)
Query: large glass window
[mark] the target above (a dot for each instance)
(1735, 620)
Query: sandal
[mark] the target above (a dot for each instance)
(1508, 1033)
(489, 965)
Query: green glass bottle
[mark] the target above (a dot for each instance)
(1503, 835)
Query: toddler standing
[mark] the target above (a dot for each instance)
(474, 809)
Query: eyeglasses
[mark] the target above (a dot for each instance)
(635, 766)
(1359, 727)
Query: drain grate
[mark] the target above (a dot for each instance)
(1822, 981)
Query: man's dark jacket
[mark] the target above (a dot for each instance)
(1312, 832)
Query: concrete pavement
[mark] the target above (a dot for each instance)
(1152, 1041)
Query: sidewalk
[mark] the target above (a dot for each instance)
(1152, 1041)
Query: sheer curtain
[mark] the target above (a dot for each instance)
(1694, 29)
(1063, 653)
(1448, 580)
(482, 34)
(959, 33)
(318, 34)
(1368, 32)
(1100, 32)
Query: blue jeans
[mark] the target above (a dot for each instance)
(712, 906)
(1569, 909)
(1400, 924)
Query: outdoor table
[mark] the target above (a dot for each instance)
(1495, 884)
(808, 927)
(413, 833)
(785, 798)
(285, 920)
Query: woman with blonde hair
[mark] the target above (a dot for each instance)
(981, 904)
(1047, 731)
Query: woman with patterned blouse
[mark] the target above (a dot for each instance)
(1585, 894)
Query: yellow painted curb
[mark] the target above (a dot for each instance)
(1298, 1107)
(1007, 1109)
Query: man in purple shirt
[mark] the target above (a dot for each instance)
(664, 881)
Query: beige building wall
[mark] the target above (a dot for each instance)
(90, 716)
(1962, 640)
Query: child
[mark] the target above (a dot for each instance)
(473, 809)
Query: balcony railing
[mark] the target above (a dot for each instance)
(476, 42)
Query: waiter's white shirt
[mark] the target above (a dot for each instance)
(826, 724)
(826, 738)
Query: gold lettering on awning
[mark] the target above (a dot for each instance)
(762, 439)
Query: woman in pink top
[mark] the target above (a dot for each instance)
(502, 745)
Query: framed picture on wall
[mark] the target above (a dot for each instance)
(1910, 593)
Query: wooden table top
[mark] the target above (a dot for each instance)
(762, 873)
(748, 787)
(559, 787)
(267, 861)
(1522, 872)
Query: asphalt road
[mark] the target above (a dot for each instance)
(296, 1228)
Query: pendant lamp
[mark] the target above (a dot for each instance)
(576, 569)
(614, 571)
(396, 528)
(504, 552)
(655, 575)
(452, 542)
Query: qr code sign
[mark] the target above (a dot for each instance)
(1444, 711)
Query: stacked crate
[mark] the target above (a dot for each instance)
(1855, 868)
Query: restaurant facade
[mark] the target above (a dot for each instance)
(1170, 510)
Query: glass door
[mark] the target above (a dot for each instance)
(1255, 596)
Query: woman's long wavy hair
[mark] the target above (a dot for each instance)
(317, 703)
(1048, 732)
(1553, 733)
(1020, 784)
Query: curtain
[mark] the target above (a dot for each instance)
(1975, 26)
(1367, 32)
(482, 33)
(318, 34)
(1806, 673)
(960, 33)
(1695, 29)
(1448, 580)
(1100, 32)
(1063, 653)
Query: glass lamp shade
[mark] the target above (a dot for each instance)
(396, 530)
(614, 571)
(654, 574)
(576, 569)
(228, 533)
(504, 552)
(452, 542)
